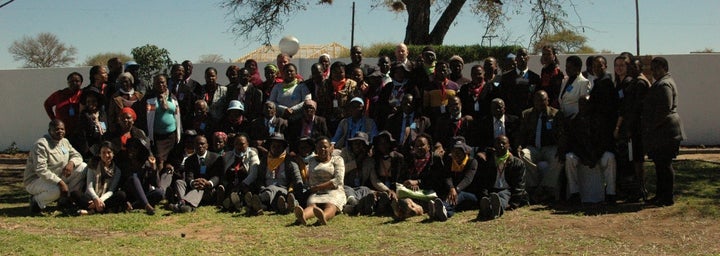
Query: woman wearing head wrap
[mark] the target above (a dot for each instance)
(126, 96)
(252, 66)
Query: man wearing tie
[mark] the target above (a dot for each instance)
(407, 124)
(537, 140)
(200, 178)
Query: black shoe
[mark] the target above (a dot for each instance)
(485, 209)
(366, 205)
(186, 208)
(383, 204)
(34, 207)
(495, 205)
(574, 199)
(610, 199)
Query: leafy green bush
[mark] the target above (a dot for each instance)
(469, 53)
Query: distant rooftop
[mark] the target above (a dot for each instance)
(268, 53)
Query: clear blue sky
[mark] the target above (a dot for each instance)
(189, 29)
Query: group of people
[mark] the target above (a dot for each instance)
(400, 138)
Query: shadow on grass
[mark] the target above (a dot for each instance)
(696, 182)
(17, 211)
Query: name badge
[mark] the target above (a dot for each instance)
(442, 109)
(477, 106)
(357, 182)
(621, 94)
(568, 88)
(548, 124)
(103, 125)
(203, 169)
(335, 104)
(413, 126)
(202, 126)
(72, 111)
(181, 96)
(496, 84)
(64, 150)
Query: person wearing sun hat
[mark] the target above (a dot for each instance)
(271, 180)
(354, 123)
(358, 166)
(459, 182)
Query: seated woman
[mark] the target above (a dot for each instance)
(419, 181)
(219, 143)
(326, 173)
(358, 166)
(387, 162)
(272, 179)
(103, 178)
(126, 96)
(140, 177)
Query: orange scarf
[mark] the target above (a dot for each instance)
(339, 85)
(274, 162)
(459, 167)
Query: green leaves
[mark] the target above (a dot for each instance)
(152, 59)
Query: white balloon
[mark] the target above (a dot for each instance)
(289, 45)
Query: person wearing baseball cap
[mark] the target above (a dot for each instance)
(354, 123)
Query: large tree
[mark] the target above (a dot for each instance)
(43, 51)
(102, 58)
(153, 60)
(262, 20)
(566, 41)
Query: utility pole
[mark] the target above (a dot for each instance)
(637, 29)
(489, 37)
(352, 29)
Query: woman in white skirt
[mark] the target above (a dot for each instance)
(326, 174)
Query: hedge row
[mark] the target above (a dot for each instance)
(469, 53)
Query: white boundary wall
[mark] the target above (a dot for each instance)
(23, 91)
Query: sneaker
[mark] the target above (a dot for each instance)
(227, 204)
(485, 209)
(348, 209)
(383, 203)
(431, 209)
(495, 205)
(235, 200)
(440, 210)
(299, 218)
(34, 207)
(186, 208)
(281, 205)
(320, 215)
(366, 204)
(291, 202)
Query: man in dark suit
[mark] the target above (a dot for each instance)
(502, 182)
(316, 79)
(241, 89)
(452, 124)
(310, 125)
(406, 125)
(604, 100)
(537, 140)
(517, 86)
(262, 127)
(200, 178)
(477, 94)
(662, 131)
(495, 125)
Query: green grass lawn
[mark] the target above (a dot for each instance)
(690, 227)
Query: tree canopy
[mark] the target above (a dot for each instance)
(152, 59)
(42, 51)
(566, 41)
(102, 58)
(263, 20)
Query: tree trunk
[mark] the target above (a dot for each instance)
(418, 27)
(418, 32)
(443, 24)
